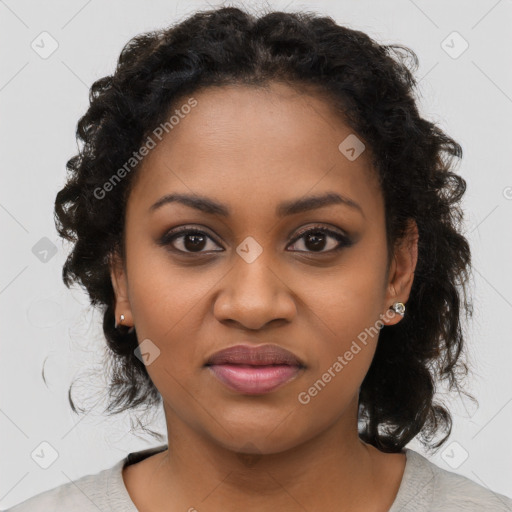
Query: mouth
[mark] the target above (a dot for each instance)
(254, 370)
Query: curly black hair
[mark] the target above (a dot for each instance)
(371, 86)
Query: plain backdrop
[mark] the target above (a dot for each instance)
(465, 86)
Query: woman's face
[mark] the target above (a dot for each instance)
(248, 278)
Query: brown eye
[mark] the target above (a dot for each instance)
(319, 238)
(313, 240)
(188, 240)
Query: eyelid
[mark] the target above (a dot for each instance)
(175, 232)
(343, 239)
(320, 227)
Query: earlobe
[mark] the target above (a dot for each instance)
(123, 312)
(401, 275)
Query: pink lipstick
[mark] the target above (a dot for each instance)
(254, 370)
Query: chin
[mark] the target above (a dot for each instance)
(265, 435)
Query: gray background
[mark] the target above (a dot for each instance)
(44, 323)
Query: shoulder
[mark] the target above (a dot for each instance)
(88, 493)
(440, 489)
(457, 492)
(104, 490)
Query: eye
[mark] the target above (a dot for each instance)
(316, 239)
(188, 240)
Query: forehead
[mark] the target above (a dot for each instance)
(259, 144)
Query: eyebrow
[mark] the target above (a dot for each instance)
(285, 208)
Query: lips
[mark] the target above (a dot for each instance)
(256, 356)
(254, 370)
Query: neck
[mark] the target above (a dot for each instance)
(333, 470)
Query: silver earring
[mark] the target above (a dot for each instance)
(121, 318)
(398, 307)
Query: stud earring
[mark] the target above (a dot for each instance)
(121, 318)
(398, 307)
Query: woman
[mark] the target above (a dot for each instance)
(272, 231)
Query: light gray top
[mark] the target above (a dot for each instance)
(424, 487)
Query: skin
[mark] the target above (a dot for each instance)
(250, 149)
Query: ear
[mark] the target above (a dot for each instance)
(120, 285)
(401, 273)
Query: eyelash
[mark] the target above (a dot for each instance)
(171, 236)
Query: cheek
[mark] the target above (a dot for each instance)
(346, 300)
(342, 311)
(345, 339)
(346, 336)
(170, 308)
(162, 293)
(172, 317)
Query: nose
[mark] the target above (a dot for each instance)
(254, 294)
